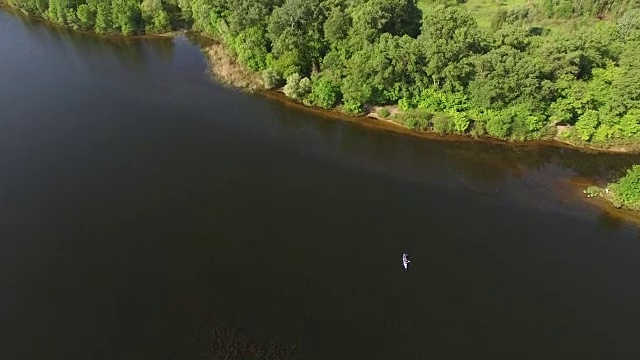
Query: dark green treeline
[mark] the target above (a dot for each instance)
(514, 79)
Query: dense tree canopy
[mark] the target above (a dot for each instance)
(510, 79)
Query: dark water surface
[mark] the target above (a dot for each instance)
(142, 205)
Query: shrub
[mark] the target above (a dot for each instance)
(271, 78)
(460, 122)
(304, 87)
(159, 23)
(406, 104)
(251, 47)
(587, 124)
(285, 65)
(442, 124)
(498, 123)
(86, 16)
(297, 88)
(416, 119)
(564, 9)
(593, 191)
(324, 93)
(384, 113)
(626, 192)
(478, 129)
(352, 107)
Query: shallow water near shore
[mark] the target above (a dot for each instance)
(142, 205)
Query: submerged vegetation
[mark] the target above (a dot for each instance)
(230, 344)
(625, 193)
(566, 69)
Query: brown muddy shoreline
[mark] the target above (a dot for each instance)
(388, 125)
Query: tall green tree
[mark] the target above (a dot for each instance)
(449, 37)
(297, 26)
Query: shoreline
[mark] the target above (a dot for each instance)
(622, 215)
(217, 51)
(18, 12)
(607, 208)
(372, 120)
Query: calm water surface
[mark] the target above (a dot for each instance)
(142, 205)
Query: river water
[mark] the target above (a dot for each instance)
(142, 206)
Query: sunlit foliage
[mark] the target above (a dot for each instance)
(510, 79)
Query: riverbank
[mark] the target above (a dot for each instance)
(609, 213)
(225, 68)
(373, 120)
(623, 193)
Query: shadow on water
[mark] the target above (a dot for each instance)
(132, 53)
(479, 162)
(482, 159)
(609, 222)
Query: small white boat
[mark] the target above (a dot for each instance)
(405, 261)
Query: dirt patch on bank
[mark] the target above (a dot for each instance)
(225, 68)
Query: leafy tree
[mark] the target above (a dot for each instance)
(498, 123)
(86, 16)
(244, 14)
(504, 75)
(251, 47)
(512, 36)
(449, 37)
(104, 21)
(337, 25)
(286, 64)
(58, 11)
(626, 192)
(325, 93)
(629, 125)
(207, 15)
(126, 16)
(154, 17)
(372, 18)
(587, 124)
(296, 26)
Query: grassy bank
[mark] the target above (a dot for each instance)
(226, 69)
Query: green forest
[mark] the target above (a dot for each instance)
(514, 70)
